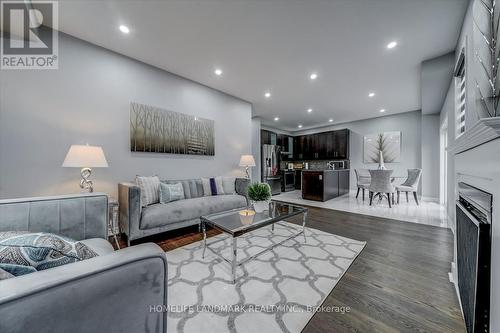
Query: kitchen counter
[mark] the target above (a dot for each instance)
(323, 185)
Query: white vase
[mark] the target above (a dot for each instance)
(381, 165)
(260, 206)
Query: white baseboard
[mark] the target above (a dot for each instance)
(430, 199)
(452, 277)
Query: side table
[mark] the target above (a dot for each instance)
(113, 225)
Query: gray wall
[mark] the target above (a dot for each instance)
(430, 156)
(256, 126)
(408, 123)
(87, 101)
(435, 79)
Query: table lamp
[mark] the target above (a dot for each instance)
(85, 157)
(247, 161)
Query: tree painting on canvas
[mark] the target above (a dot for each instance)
(156, 130)
(389, 143)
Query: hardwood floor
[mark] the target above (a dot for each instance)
(399, 282)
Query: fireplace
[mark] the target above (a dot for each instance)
(473, 213)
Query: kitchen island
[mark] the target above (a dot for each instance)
(323, 185)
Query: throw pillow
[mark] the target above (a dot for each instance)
(206, 187)
(150, 189)
(229, 184)
(171, 192)
(23, 252)
(212, 186)
(218, 186)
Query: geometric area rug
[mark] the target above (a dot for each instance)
(278, 291)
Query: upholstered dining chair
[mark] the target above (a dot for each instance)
(410, 184)
(381, 184)
(362, 181)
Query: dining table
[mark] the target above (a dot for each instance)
(393, 179)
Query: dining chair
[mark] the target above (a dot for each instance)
(362, 181)
(381, 184)
(410, 184)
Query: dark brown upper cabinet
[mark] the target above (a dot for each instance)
(268, 137)
(332, 145)
(285, 143)
(341, 143)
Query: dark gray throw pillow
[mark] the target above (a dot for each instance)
(23, 252)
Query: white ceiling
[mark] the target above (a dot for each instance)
(274, 45)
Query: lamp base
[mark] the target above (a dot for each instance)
(85, 183)
(247, 172)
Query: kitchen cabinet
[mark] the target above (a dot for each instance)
(324, 185)
(298, 179)
(332, 145)
(268, 137)
(300, 147)
(285, 142)
(313, 185)
(341, 144)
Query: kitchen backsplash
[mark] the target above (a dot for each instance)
(313, 164)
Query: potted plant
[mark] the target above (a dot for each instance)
(259, 195)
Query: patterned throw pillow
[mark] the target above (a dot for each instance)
(171, 192)
(212, 186)
(23, 252)
(150, 189)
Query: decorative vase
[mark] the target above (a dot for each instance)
(381, 165)
(260, 206)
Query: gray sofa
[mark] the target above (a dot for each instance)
(113, 292)
(138, 222)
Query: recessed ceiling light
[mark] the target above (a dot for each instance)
(124, 29)
(300, 126)
(313, 76)
(392, 45)
(218, 71)
(267, 94)
(371, 94)
(382, 110)
(309, 110)
(330, 120)
(276, 118)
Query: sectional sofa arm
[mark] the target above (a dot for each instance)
(111, 293)
(242, 187)
(129, 198)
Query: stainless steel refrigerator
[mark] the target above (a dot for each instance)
(271, 167)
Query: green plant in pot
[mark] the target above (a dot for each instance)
(259, 195)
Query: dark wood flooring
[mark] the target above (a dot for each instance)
(399, 282)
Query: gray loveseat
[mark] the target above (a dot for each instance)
(113, 292)
(138, 222)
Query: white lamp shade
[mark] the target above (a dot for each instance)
(247, 161)
(85, 157)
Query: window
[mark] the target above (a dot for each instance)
(460, 89)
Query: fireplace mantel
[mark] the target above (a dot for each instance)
(485, 130)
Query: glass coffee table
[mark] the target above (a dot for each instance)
(238, 222)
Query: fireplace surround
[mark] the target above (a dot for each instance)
(473, 232)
